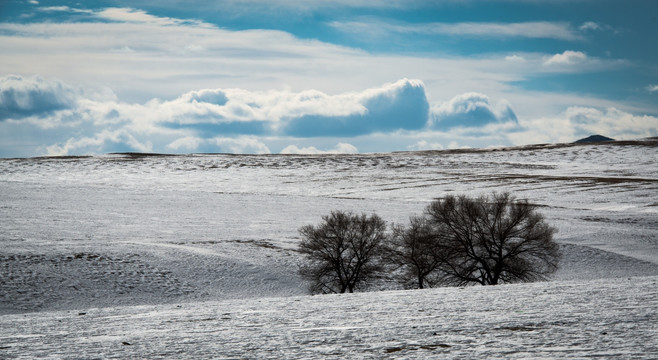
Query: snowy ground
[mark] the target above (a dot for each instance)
(129, 238)
(613, 318)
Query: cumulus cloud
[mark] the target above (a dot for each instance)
(652, 88)
(22, 97)
(340, 148)
(569, 57)
(310, 113)
(400, 105)
(470, 110)
(104, 141)
(236, 105)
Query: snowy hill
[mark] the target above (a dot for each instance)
(122, 236)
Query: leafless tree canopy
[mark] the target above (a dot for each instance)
(416, 250)
(457, 241)
(342, 252)
(492, 239)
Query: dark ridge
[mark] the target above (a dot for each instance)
(53, 157)
(62, 157)
(648, 142)
(593, 139)
(140, 155)
(228, 154)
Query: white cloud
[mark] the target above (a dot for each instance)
(611, 121)
(63, 9)
(579, 121)
(470, 110)
(426, 145)
(569, 57)
(341, 148)
(571, 61)
(590, 25)
(535, 30)
(141, 56)
(208, 120)
(269, 79)
(22, 97)
(54, 8)
(268, 6)
(594, 26)
(27, 96)
(102, 142)
(652, 88)
(241, 145)
(515, 58)
(129, 15)
(306, 113)
(187, 143)
(237, 145)
(188, 54)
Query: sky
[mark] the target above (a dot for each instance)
(293, 76)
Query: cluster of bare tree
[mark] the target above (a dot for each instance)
(456, 241)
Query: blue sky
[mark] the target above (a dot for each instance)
(298, 76)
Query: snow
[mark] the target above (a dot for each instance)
(608, 318)
(194, 256)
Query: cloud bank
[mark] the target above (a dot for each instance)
(308, 113)
(49, 117)
(207, 120)
(579, 121)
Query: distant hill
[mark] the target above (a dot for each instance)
(593, 139)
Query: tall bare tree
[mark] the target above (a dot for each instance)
(493, 239)
(343, 252)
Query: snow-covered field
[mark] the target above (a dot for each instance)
(613, 318)
(194, 256)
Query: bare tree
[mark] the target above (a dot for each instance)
(416, 250)
(343, 252)
(491, 240)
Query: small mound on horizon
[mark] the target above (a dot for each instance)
(593, 139)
